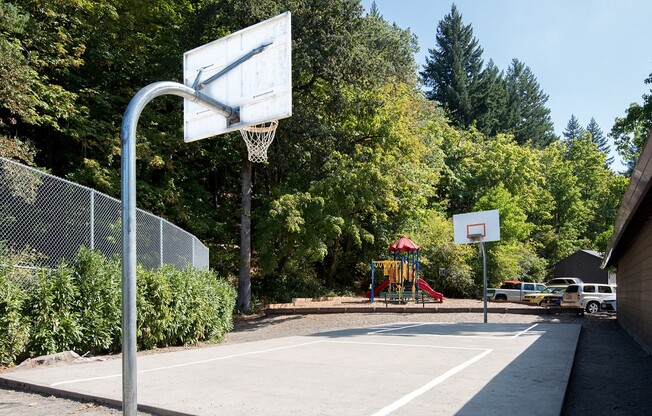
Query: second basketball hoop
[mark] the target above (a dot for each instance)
(258, 138)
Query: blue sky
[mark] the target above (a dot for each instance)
(590, 56)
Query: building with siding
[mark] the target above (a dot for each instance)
(585, 264)
(630, 252)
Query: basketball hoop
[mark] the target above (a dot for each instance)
(258, 138)
(477, 237)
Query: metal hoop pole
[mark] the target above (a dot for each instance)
(484, 278)
(128, 190)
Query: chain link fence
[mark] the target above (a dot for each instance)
(50, 218)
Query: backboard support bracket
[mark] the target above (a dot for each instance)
(229, 67)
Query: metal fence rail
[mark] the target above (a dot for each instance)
(53, 218)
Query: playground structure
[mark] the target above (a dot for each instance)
(401, 275)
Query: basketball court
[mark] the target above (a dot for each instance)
(406, 369)
(243, 82)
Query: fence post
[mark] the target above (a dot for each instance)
(160, 241)
(92, 222)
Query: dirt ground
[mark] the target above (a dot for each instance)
(611, 374)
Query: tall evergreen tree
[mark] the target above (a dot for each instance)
(453, 69)
(600, 139)
(491, 101)
(526, 116)
(573, 129)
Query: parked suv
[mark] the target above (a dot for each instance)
(563, 281)
(588, 296)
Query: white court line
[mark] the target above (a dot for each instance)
(393, 344)
(186, 364)
(396, 328)
(428, 386)
(523, 332)
(454, 336)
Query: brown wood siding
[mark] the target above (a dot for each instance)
(634, 278)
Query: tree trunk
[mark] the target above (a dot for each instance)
(244, 283)
(333, 264)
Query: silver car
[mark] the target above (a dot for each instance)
(588, 296)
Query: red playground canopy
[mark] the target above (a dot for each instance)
(403, 244)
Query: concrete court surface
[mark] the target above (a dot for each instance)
(401, 369)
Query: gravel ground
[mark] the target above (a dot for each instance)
(611, 375)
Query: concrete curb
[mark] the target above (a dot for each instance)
(81, 397)
(413, 309)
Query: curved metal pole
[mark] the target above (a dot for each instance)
(128, 189)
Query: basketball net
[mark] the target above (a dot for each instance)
(258, 138)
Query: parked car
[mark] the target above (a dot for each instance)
(538, 298)
(510, 284)
(564, 281)
(516, 294)
(588, 296)
(552, 300)
(609, 304)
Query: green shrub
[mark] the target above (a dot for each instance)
(14, 328)
(295, 281)
(51, 311)
(79, 308)
(99, 302)
(202, 308)
(153, 299)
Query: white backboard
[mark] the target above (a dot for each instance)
(260, 88)
(484, 225)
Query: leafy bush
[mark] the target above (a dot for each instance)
(202, 307)
(294, 282)
(52, 313)
(153, 299)
(99, 302)
(14, 328)
(79, 308)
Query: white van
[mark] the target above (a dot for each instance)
(587, 296)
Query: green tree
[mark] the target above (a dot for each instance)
(526, 116)
(453, 69)
(631, 132)
(562, 234)
(600, 139)
(573, 129)
(491, 101)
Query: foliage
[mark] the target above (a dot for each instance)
(453, 68)
(573, 129)
(79, 307)
(201, 308)
(599, 139)
(365, 158)
(14, 328)
(445, 265)
(484, 98)
(527, 117)
(99, 302)
(54, 319)
(630, 133)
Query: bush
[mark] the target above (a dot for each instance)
(99, 302)
(51, 311)
(14, 328)
(153, 299)
(79, 308)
